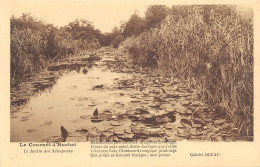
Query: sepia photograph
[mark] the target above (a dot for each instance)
(162, 73)
(129, 83)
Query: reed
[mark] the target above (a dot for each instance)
(209, 48)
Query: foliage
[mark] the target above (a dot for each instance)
(210, 48)
(134, 26)
(155, 14)
(34, 43)
(117, 41)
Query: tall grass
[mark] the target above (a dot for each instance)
(210, 48)
(34, 43)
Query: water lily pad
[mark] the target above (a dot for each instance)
(127, 136)
(107, 116)
(119, 132)
(82, 130)
(148, 116)
(220, 121)
(170, 125)
(121, 116)
(145, 132)
(135, 101)
(208, 119)
(113, 138)
(183, 134)
(216, 129)
(142, 111)
(92, 136)
(193, 132)
(116, 123)
(186, 123)
(107, 112)
(133, 123)
(162, 120)
(196, 125)
(181, 110)
(136, 130)
(156, 132)
(128, 131)
(209, 134)
(134, 117)
(180, 130)
(158, 99)
(130, 112)
(98, 87)
(198, 121)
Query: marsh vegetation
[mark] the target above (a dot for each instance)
(189, 74)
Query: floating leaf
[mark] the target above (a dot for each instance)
(170, 125)
(186, 123)
(128, 131)
(98, 119)
(127, 136)
(156, 132)
(216, 129)
(162, 119)
(208, 120)
(196, 125)
(116, 123)
(83, 130)
(119, 132)
(142, 111)
(136, 129)
(182, 132)
(92, 136)
(145, 132)
(220, 121)
(157, 99)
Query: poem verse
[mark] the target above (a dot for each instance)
(132, 149)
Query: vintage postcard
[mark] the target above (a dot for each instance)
(129, 83)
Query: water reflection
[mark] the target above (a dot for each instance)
(64, 102)
(45, 82)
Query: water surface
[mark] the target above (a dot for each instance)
(73, 95)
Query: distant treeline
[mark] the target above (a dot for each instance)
(34, 43)
(208, 47)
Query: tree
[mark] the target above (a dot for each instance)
(82, 29)
(134, 26)
(155, 14)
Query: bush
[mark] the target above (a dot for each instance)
(210, 49)
(34, 43)
(117, 41)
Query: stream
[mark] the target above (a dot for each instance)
(133, 104)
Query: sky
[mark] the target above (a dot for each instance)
(104, 14)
